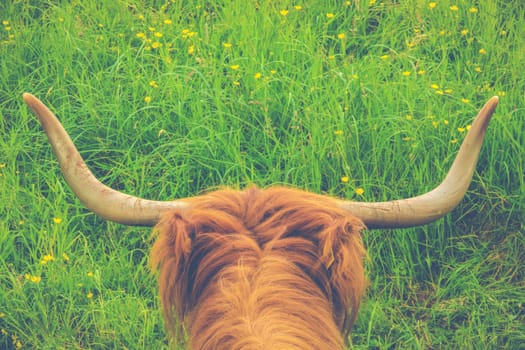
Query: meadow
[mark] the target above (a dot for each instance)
(365, 100)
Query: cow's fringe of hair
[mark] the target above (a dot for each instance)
(261, 269)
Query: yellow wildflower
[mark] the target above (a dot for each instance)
(186, 34)
(359, 191)
(147, 99)
(482, 51)
(89, 295)
(257, 75)
(341, 35)
(338, 132)
(227, 45)
(454, 8)
(406, 73)
(298, 7)
(465, 100)
(235, 67)
(330, 15)
(167, 21)
(284, 12)
(153, 84)
(34, 279)
(57, 220)
(46, 258)
(432, 5)
(473, 10)
(345, 179)
(191, 49)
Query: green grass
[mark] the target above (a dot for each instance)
(231, 94)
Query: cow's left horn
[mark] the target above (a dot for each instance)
(435, 204)
(97, 197)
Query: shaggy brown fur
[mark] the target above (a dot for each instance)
(261, 269)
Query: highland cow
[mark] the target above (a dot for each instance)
(274, 268)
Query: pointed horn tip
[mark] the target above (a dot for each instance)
(485, 113)
(27, 96)
(30, 99)
(493, 101)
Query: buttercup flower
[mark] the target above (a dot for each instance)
(46, 259)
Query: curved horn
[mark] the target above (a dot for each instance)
(97, 197)
(437, 203)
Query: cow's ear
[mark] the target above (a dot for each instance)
(170, 254)
(342, 252)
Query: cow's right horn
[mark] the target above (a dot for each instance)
(435, 204)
